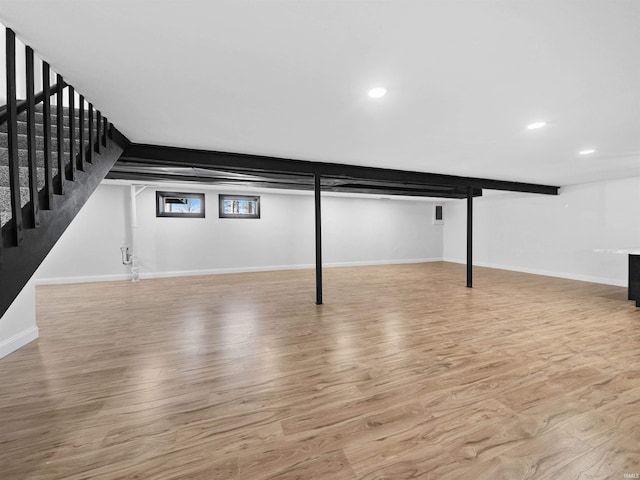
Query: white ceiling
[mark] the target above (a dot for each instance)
(290, 79)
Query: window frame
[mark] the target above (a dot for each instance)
(251, 198)
(161, 195)
(436, 220)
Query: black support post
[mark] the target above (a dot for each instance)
(469, 237)
(318, 240)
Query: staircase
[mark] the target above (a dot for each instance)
(5, 191)
(52, 158)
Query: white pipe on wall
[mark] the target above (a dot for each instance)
(135, 272)
(134, 191)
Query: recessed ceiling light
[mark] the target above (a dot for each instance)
(587, 151)
(377, 92)
(533, 126)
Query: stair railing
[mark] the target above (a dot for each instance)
(68, 162)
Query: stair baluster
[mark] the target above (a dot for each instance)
(60, 132)
(72, 133)
(81, 153)
(16, 236)
(98, 126)
(105, 131)
(91, 135)
(33, 215)
(46, 134)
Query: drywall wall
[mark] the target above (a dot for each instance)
(90, 247)
(18, 324)
(552, 235)
(355, 231)
(363, 230)
(283, 236)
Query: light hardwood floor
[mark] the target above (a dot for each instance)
(403, 373)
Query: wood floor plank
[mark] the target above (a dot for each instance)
(618, 456)
(531, 458)
(332, 465)
(403, 373)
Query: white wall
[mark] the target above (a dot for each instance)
(552, 235)
(91, 244)
(283, 236)
(378, 230)
(355, 231)
(18, 324)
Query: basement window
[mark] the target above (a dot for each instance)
(438, 214)
(176, 204)
(239, 206)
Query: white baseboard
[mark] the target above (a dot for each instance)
(17, 341)
(272, 268)
(547, 273)
(219, 271)
(379, 262)
(222, 271)
(82, 279)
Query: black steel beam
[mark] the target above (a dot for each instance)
(317, 191)
(146, 172)
(162, 155)
(160, 177)
(402, 193)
